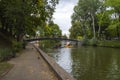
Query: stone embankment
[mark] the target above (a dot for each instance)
(60, 72)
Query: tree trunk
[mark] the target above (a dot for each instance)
(99, 31)
(119, 29)
(100, 25)
(93, 24)
(20, 37)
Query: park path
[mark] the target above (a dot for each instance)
(29, 66)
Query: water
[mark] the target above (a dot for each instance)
(89, 63)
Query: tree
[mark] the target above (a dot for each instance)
(21, 17)
(103, 21)
(76, 30)
(115, 8)
(50, 30)
(97, 18)
(85, 13)
(81, 15)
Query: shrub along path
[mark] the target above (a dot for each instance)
(29, 67)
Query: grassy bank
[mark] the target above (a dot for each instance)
(104, 43)
(4, 68)
(114, 44)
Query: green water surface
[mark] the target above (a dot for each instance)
(89, 63)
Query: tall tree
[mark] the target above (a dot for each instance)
(21, 17)
(81, 15)
(103, 21)
(85, 12)
(51, 30)
(115, 8)
(94, 6)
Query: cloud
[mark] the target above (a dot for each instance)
(63, 13)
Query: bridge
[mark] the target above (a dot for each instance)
(47, 38)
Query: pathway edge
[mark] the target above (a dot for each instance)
(60, 72)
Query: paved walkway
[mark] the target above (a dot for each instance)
(29, 67)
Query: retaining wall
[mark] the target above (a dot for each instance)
(60, 72)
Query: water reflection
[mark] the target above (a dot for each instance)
(90, 63)
(63, 58)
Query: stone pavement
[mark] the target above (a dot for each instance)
(30, 66)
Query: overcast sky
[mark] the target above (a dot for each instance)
(63, 13)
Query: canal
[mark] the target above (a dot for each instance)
(89, 63)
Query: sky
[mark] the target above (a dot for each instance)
(62, 15)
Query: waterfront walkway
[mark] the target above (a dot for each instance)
(30, 66)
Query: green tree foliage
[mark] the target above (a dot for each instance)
(103, 20)
(52, 30)
(115, 9)
(21, 17)
(96, 19)
(84, 12)
(76, 30)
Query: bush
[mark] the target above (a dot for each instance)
(90, 42)
(85, 41)
(17, 46)
(115, 44)
(24, 44)
(5, 54)
(93, 42)
(8, 53)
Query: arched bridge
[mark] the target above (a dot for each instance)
(36, 39)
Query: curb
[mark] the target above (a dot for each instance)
(60, 72)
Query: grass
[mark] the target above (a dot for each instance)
(4, 68)
(5, 54)
(114, 44)
(104, 43)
